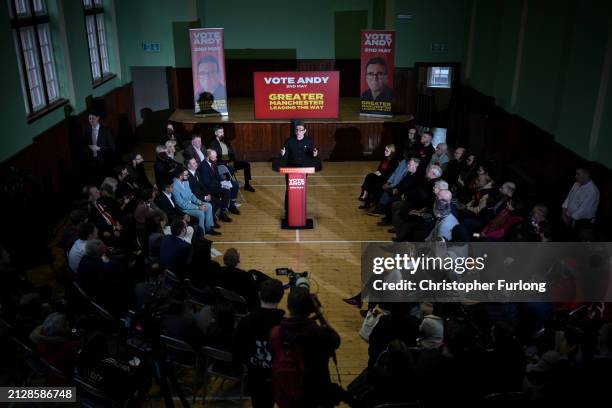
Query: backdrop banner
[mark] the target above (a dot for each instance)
(208, 66)
(377, 62)
(296, 95)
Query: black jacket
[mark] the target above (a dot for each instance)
(105, 142)
(216, 146)
(172, 212)
(252, 340)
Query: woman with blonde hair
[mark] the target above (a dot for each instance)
(373, 182)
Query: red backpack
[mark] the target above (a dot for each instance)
(287, 371)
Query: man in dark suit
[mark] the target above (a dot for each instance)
(197, 188)
(99, 147)
(195, 149)
(211, 180)
(175, 252)
(101, 277)
(166, 203)
(227, 156)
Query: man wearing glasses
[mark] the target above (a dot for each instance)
(211, 88)
(299, 150)
(376, 77)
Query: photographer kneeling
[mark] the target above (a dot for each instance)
(302, 347)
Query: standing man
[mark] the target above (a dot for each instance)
(299, 150)
(100, 147)
(580, 206)
(227, 156)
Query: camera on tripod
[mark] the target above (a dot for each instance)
(296, 279)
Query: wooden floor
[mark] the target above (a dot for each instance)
(330, 252)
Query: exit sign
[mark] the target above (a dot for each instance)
(151, 47)
(439, 48)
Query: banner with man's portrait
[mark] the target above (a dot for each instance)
(208, 65)
(377, 62)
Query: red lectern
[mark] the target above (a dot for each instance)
(296, 197)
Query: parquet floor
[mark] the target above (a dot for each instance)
(330, 252)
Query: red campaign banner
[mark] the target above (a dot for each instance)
(377, 63)
(297, 95)
(208, 67)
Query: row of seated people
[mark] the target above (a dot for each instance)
(403, 193)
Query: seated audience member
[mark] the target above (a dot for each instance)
(137, 171)
(215, 184)
(197, 188)
(505, 363)
(106, 223)
(391, 380)
(227, 156)
(406, 191)
(475, 222)
(431, 332)
(454, 166)
(468, 171)
(163, 166)
(481, 198)
(172, 135)
(146, 206)
(411, 144)
(165, 201)
(174, 252)
(499, 226)
(70, 233)
(231, 277)
(580, 206)
(531, 228)
(445, 221)
(85, 232)
(171, 151)
(220, 332)
(418, 223)
(180, 323)
(195, 149)
(417, 198)
(54, 345)
(251, 343)
(101, 278)
(440, 157)
(426, 150)
(398, 324)
(406, 168)
(190, 204)
(316, 342)
(372, 185)
(127, 192)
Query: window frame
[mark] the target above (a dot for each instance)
(96, 9)
(35, 21)
(430, 76)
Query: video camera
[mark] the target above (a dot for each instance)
(296, 279)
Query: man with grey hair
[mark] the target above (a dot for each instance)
(101, 277)
(440, 157)
(419, 223)
(404, 178)
(445, 221)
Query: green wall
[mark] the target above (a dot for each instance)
(434, 21)
(72, 65)
(277, 24)
(559, 77)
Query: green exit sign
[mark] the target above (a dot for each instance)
(151, 47)
(439, 48)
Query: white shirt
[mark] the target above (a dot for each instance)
(94, 138)
(582, 201)
(169, 198)
(77, 252)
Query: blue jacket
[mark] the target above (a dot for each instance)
(183, 196)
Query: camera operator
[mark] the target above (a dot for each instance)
(251, 345)
(302, 347)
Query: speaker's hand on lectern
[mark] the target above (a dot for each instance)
(315, 152)
(283, 150)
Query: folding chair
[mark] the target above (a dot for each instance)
(182, 356)
(240, 304)
(171, 280)
(223, 369)
(223, 170)
(91, 397)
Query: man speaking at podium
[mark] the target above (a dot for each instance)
(299, 151)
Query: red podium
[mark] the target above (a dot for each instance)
(296, 197)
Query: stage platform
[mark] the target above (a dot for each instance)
(349, 137)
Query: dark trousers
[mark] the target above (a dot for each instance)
(260, 388)
(246, 166)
